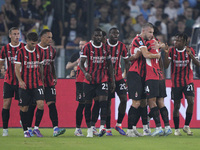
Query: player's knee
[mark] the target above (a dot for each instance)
(6, 103)
(40, 104)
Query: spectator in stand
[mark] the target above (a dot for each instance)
(3, 29)
(157, 17)
(189, 18)
(181, 28)
(135, 9)
(140, 22)
(37, 9)
(10, 14)
(127, 27)
(125, 12)
(104, 16)
(71, 12)
(156, 4)
(181, 7)
(171, 10)
(54, 23)
(145, 10)
(26, 17)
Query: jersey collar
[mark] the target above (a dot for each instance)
(111, 44)
(29, 50)
(15, 45)
(43, 47)
(95, 45)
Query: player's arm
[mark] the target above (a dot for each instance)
(167, 60)
(41, 69)
(18, 74)
(135, 56)
(147, 54)
(54, 72)
(111, 73)
(194, 60)
(81, 65)
(72, 64)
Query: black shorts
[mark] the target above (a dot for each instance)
(92, 90)
(162, 89)
(50, 94)
(135, 86)
(10, 90)
(79, 91)
(120, 89)
(29, 95)
(152, 88)
(177, 92)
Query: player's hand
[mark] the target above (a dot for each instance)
(22, 85)
(188, 50)
(54, 81)
(88, 77)
(166, 48)
(112, 87)
(155, 45)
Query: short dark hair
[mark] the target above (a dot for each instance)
(97, 29)
(183, 36)
(44, 32)
(13, 28)
(113, 28)
(104, 33)
(32, 36)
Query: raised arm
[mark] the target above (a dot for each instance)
(194, 60)
(147, 54)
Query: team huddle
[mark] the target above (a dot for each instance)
(99, 76)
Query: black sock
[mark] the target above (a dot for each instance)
(108, 114)
(156, 116)
(176, 122)
(150, 114)
(39, 114)
(143, 114)
(5, 117)
(108, 122)
(103, 106)
(95, 113)
(122, 110)
(31, 110)
(88, 114)
(188, 118)
(133, 117)
(164, 115)
(24, 119)
(53, 114)
(79, 114)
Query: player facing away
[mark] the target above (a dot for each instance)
(27, 68)
(10, 81)
(79, 94)
(155, 85)
(136, 76)
(181, 58)
(95, 83)
(118, 50)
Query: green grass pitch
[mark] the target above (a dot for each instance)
(16, 141)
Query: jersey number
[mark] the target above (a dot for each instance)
(104, 86)
(190, 87)
(41, 91)
(53, 91)
(122, 86)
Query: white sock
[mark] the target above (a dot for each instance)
(118, 124)
(36, 127)
(134, 127)
(55, 127)
(145, 127)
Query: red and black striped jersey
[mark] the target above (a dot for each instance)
(152, 65)
(117, 51)
(30, 61)
(138, 65)
(181, 67)
(49, 54)
(79, 75)
(8, 55)
(97, 57)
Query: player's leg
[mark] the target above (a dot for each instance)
(108, 118)
(89, 91)
(31, 111)
(80, 108)
(24, 102)
(176, 95)
(135, 93)
(7, 99)
(95, 115)
(38, 95)
(164, 115)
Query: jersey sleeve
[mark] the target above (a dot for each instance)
(2, 53)
(84, 52)
(170, 54)
(18, 57)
